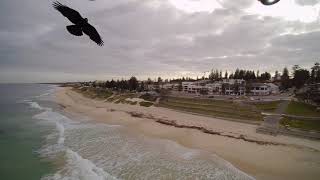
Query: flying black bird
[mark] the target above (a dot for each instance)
(269, 2)
(80, 24)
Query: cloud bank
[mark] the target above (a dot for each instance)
(150, 38)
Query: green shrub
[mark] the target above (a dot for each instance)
(146, 104)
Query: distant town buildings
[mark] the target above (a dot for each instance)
(231, 87)
(234, 87)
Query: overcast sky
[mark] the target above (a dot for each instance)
(150, 38)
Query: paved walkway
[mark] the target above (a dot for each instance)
(271, 122)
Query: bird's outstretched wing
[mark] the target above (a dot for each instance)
(269, 2)
(73, 15)
(92, 33)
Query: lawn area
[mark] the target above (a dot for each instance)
(94, 93)
(146, 104)
(301, 124)
(148, 97)
(302, 109)
(121, 98)
(267, 106)
(107, 95)
(215, 108)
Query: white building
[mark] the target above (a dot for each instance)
(273, 88)
(263, 89)
(170, 86)
(234, 89)
(231, 87)
(192, 87)
(214, 88)
(167, 86)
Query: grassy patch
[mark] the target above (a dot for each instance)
(216, 108)
(121, 98)
(301, 109)
(94, 92)
(301, 124)
(133, 103)
(148, 97)
(145, 103)
(267, 106)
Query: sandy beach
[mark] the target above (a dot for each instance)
(279, 157)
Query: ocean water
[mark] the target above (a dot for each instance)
(40, 141)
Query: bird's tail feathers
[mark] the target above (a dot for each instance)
(75, 30)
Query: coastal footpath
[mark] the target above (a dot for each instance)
(261, 156)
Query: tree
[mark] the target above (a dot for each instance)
(294, 69)
(226, 75)
(133, 83)
(300, 77)
(285, 80)
(231, 76)
(142, 87)
(253, 75)
(159, 80)
(315, 73)
(214, 75)
(149, 81)
(276, 75)
(241, 74)
(236, 74)
(265, 76)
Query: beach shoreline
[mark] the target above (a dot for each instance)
(280, 157)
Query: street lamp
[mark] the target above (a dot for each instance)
(268, 2)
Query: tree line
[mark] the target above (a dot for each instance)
(299, 76)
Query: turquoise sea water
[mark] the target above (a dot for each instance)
(39, 141)
(20, 135)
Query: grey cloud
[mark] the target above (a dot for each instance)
(307, 2)
(238, 4)
(145, 40)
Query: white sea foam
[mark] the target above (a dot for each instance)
(76, 166)
(60, 128)
(34, 105)
(79, 168)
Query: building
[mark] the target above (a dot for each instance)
(273, 88)
(170, 86)
(234, 89)
(214, 88)
(152, 87)
(259, 89)
(192, 87)
(224, 87)
(263, 89)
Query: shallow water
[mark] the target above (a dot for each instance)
(85, 149)
(20, 136)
